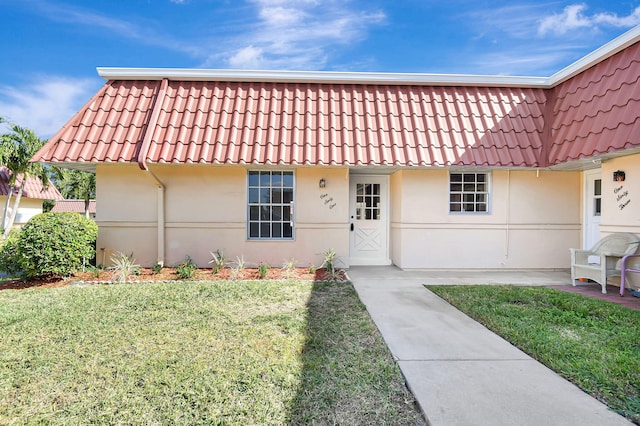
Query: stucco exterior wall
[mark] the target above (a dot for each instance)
(534, 219)
(621, 200)
(29, 207)
(205, 210)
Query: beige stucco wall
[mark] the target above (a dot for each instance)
(29, 207)
(205, 210)
(534, 219)
(621, 200)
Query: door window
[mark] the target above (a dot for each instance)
(368, 201)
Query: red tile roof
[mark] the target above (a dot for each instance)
(588, 109)
(598, 111)
(315, 124)
(75, 206)
(32, 188)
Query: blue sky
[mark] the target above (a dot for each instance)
(50, 48)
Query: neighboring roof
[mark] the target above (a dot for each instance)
(302, 118)
(75, 206)
(32, 189)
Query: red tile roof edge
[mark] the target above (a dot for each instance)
(33, 187)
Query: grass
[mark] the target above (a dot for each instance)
(196, 353)
(593, 343)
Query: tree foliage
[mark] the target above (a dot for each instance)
(76, 185)
(17, 146)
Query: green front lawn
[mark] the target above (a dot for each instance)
(593, 343)
(196, 353)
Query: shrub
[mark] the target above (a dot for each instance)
(9, 259)
(237, 270)
(329, 264)
(289, 267)
(263, 270)
(157, 268)
(123, 265)
(218, 260)
(56, 244)
(186, 269)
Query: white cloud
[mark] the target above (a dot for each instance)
(47, 104)
(266, 34)
(295, 34)
(619, 21)
(573, 17)
(247, 57)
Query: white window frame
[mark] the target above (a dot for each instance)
(466, 192)
(251, 202)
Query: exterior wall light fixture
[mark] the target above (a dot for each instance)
(322, 183)
(618, 176)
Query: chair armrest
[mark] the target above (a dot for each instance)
(580, 256)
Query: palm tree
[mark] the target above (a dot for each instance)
(16, 149)
(76, 184)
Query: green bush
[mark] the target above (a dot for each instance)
(186, 269)
(9, 260)
(56, 244)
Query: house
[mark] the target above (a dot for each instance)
(417, 170)
(75, 206)
(32, 196)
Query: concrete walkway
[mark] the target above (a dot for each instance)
(460, 372)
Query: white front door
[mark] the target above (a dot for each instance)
(369, 220)
(592, 207)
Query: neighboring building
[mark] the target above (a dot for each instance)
(32, 196)
(75, 206)
(422, 171)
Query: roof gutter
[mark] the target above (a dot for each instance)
(142, 163)
(194, 74)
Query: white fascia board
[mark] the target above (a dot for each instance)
(191, 74)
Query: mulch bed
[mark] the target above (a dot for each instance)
(169, 274)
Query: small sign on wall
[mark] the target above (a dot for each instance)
(328, 200)
(622, 196)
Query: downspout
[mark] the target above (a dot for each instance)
(508, 219)
(142, 163)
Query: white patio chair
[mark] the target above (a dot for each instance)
(603, 260)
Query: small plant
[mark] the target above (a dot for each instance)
(157, 268)
(95, 271)
(237, 270)
(123, 266)
(289, 267)
(186, 269)
(331, 272)
(312, 268)
(263, 270)
(218, 260)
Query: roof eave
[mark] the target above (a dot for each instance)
(273, 76)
